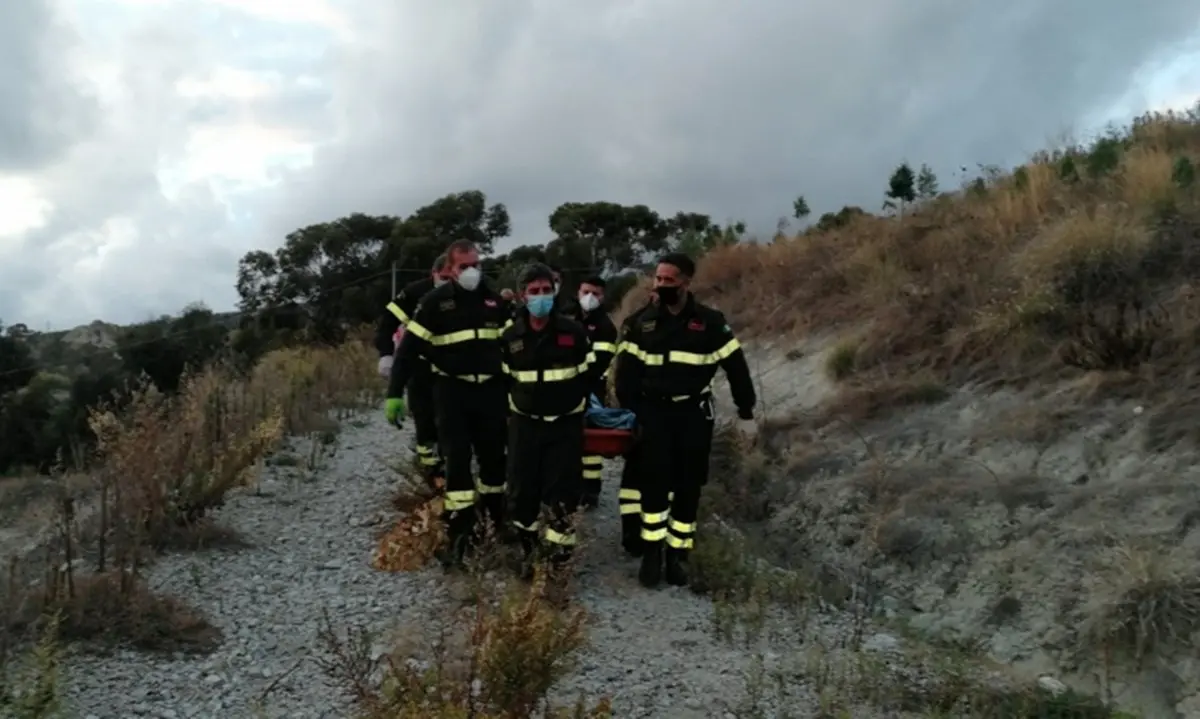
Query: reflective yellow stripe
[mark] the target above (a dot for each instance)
(593, 474)
(551, 375)
(566, 540)
(426, 449)
(400, 314)
(630, 501)
(477, 378)
(604, 347)
(702, 359)
(655, 517)
(633, 349)
(450, 338)
(418, 329)
(690, 358)
(650, 532)
(526, 527)
(460, 500)
(546, 418)
(487, 488)
(681, 528)
(593, 459)
(676, 543)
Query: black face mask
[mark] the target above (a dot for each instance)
(668, 295)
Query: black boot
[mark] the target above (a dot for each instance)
(631, 535)
(591, 494)
(677, 567)
(529, 553)
(650, 573)
(459, 528)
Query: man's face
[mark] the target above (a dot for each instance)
(538, 287)
(589, 289)
(461, 261)
(669, 276)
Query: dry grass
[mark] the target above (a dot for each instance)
(498, 655)
(1071, 260)
(162, 465)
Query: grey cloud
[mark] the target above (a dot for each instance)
(729, 108)
(41, 112)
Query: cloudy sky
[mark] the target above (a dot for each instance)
(145, 145)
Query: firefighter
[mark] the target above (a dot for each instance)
(630, 496)
(603, 334)
(399, 313)
(669, 358)
(456, 330)
(551, 368)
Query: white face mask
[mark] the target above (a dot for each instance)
(588, 302)
(557, 287)
(469, 278)
(438, 282)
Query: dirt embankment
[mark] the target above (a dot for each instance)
(983, 413)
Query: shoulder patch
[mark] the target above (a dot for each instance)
(446, 305)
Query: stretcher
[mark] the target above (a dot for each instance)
(606, 442)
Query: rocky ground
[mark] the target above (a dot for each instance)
(312, 535)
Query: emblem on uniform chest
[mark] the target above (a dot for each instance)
(648, 326)
(566, 341)
(696, 325)
(489, 303)
(516, 346)
(446, 305)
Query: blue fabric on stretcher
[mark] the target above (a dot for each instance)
(603, 417)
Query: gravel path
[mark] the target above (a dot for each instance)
(313, 535)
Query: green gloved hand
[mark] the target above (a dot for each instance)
(394, 408)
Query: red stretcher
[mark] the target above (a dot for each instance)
(606, 442)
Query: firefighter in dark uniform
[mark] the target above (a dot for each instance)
(603, 334)
(630, 496)
(669, 358)
(551, 368)
(397, 315)
(456, 330)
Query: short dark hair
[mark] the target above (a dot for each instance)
(595, 280)
(533, 272)
(459, 247)
(439, 264)
(679, 261)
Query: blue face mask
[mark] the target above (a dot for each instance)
(539, 305)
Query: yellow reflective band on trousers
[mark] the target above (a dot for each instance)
(681, 535)
(566, 540)
(452, 338)
(487, 488)
(551, 375)
(604, 347)
(400, 314)
(525, 527)
(689, 358)
(546, 418)
(427, 455)
(463, 499)
(593, 466)
(630, 501)
(654, 526)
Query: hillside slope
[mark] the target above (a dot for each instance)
(984, 413)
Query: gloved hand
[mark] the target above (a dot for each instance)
(747, 427)
(385, 366)
(394, 409)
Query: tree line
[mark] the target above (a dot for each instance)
(322, 282)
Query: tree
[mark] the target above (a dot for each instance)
(901, 188)
(927, 183)
(839, 219)
(603, 235)
(415, 242)
(800, 208)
